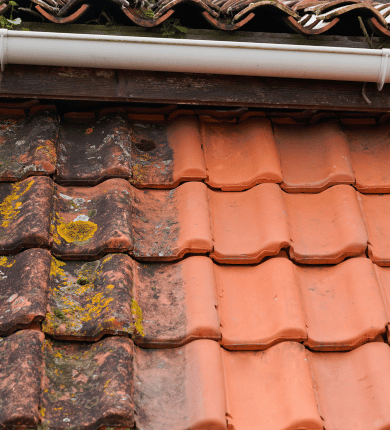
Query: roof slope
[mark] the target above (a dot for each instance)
(194, 273)
(305, 16)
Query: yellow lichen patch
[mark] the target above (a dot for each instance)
(110, 287)
(48, 149)
(136, 311)
(55, 268)
(7, 262)
(76, 231)
(9, 208)
(42, 410)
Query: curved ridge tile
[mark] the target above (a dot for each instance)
(25, 214)
(327, 227)
(240, 156)
(89, 222)
(28, 146)
(250, 225)
(180, 388)
(343, 304)
(313, 157)
(280, 8)
(370, 157)
(178, 302)
(21, 365)
(23, 289)
(353, 388)
(271, 390)
(64, 20)
(88, 386)
(376, 209)
(309, 25)
(90, 152)
(267, 307)
(163, 155)
(168, 224)
(90, 299)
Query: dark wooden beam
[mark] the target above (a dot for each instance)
(68, 83)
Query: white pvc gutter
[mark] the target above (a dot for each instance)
(194, 56)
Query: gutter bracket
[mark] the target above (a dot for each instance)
(383, 69)
(3, 44)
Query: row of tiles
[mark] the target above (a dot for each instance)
(305, 17)
(226, 156)
(164, 305)
(234, 227)
(198, 386)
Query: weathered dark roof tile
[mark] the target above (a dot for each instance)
(90, 299)
(25, 214)
(23, 289)
(21, 365)
(91, 221)
(28, 146)
(86, 386)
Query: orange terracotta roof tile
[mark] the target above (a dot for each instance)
(271, 390)
(25, 214)
(87, 386)
(313, 157)
(240, 156)
(370, 157)
(325, 227)
(250, 225)
(93, 150)
(180, 388)
(353, 388)
(23, 289)
(168, 224)
(20, 378)
(89, 222)
(221, 343)
(165, 155)
(90, 299)
(28, 146)
(376, 209)
(178, 302)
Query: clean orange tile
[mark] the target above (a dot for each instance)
(178, 301)
(180, 388)
(259, 305)
(383, 276)
(376, 210)
(353, 388)
(250, 225)
(270, 390)
(370, 157)
(326, 227)
(343, 304)
(313, 157)
(239, 156)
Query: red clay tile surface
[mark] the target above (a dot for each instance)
(23, 289)
(201, 272)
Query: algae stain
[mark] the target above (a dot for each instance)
(76, 231)
(10, 207)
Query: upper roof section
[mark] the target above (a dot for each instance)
(308, 17)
